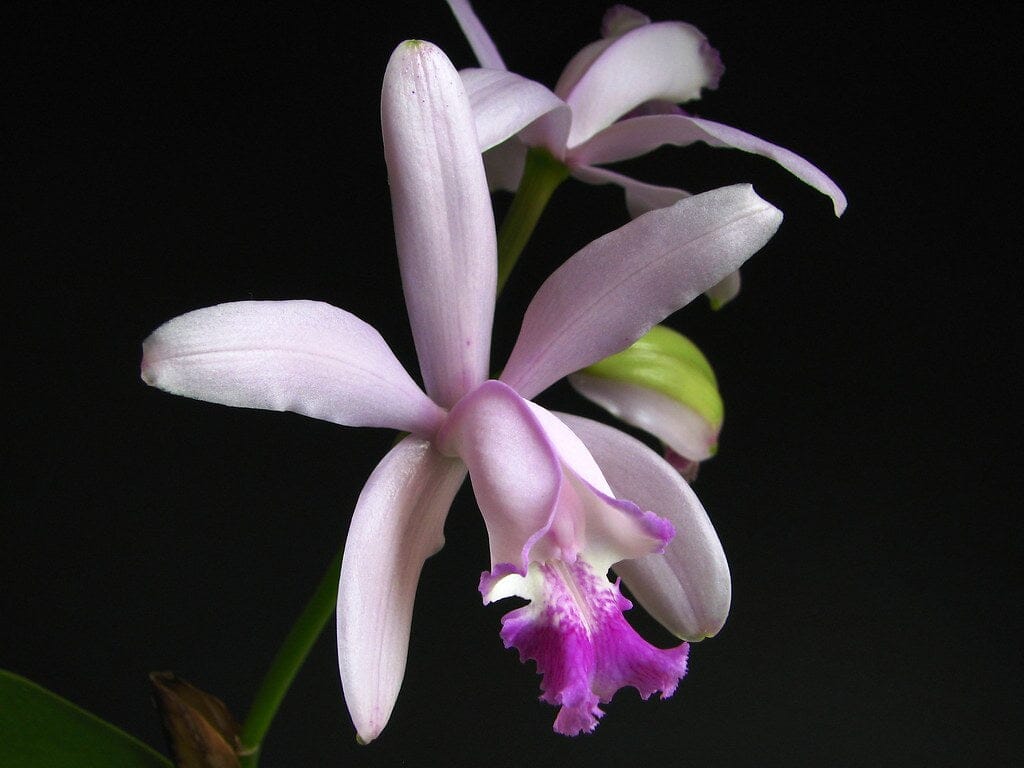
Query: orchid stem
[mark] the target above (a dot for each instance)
(288, 661)
(541, 176)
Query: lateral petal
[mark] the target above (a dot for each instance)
(397, 524)
(301, 356)
(614, 528)
(610, 293)
(504, 104)
(668, 60)
(444, 227)
(515, 472)
(688, 589)
(639, 135)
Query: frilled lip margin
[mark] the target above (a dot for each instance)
(584, 648)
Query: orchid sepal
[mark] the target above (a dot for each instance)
(636, 136)
(301, 356)
(443, 218)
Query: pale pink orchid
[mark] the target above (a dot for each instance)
(615, 100)
(550, 488)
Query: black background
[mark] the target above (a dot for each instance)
(161, 160)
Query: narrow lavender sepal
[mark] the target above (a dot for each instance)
(397, 524)
(480, 41)
(637, 136)
(643, 198)
(444, 224)
(302, 356)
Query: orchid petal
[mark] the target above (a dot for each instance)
(541, 494)
(579, 64)
(610, 293)
(513, 466)
(480, 41)
(301, 356)
(619, 19)
(680, 427)
(640, 135)
(688, 589)
(667, 60)
(444, 227)
(397, 524)
(641, 198)
(726, 290)
(616, 529)
(503, 104)
(504, 165)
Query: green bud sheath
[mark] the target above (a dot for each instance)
(665, 361)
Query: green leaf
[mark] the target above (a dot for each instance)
(39, 729)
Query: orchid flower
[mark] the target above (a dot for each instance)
(616, 99)
(551, 489)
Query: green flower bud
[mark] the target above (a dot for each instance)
(664, 385)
